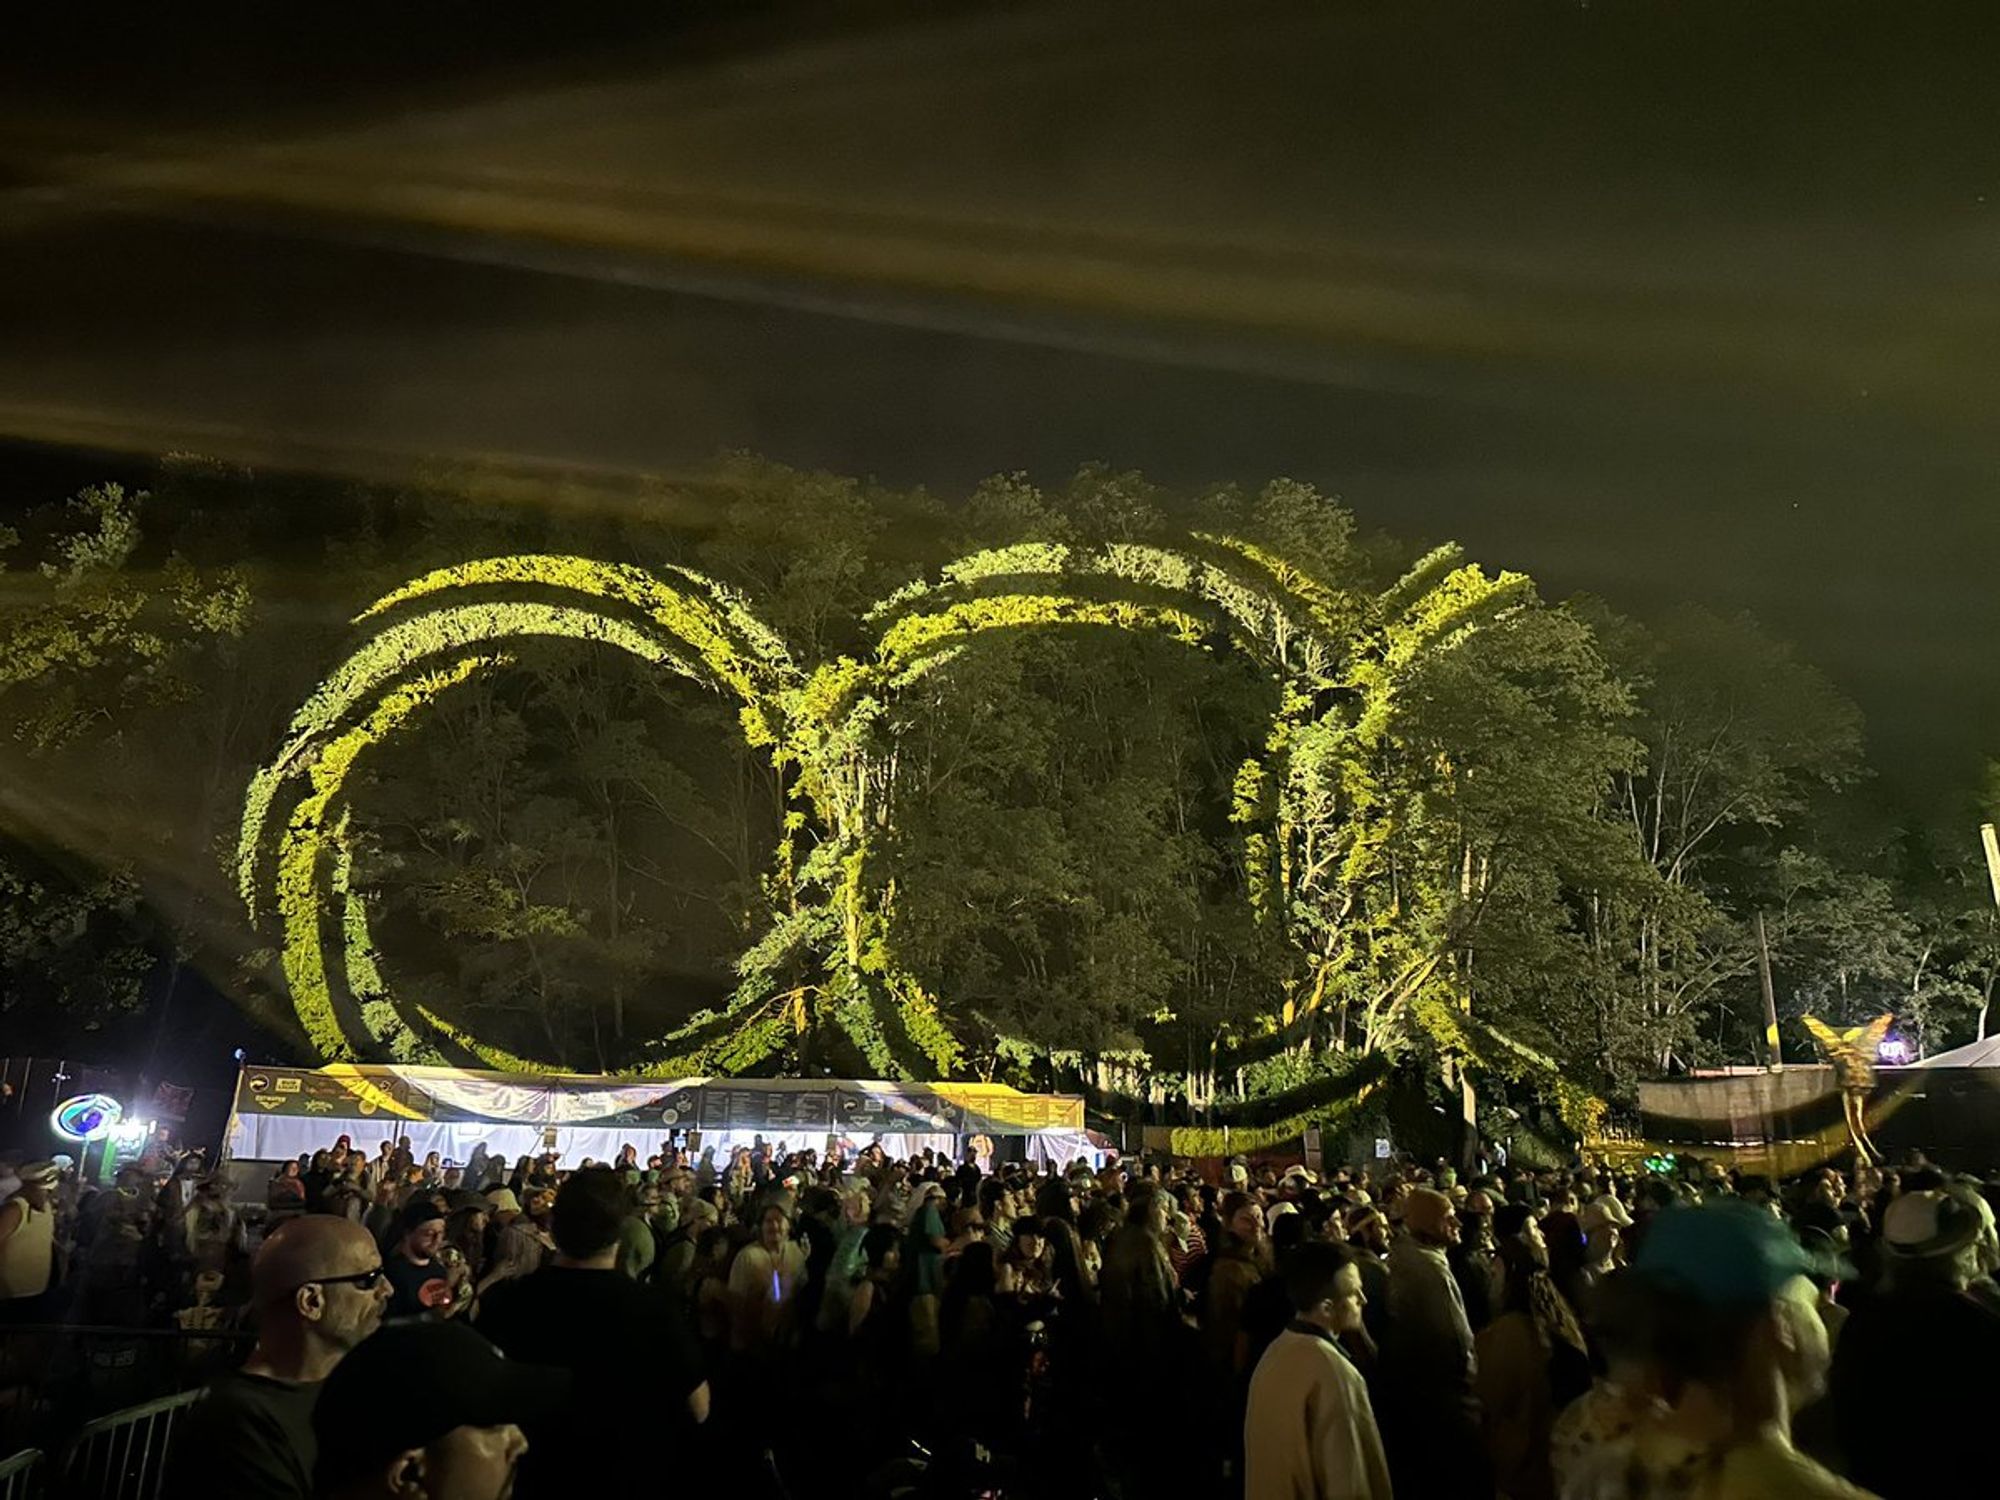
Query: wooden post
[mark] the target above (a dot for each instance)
(1777, 1053)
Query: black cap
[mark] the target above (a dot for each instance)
(411, 1383)
(417, 1213)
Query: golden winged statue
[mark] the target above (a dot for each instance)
(1852, 1053)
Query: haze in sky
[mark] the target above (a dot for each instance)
(1658, 301)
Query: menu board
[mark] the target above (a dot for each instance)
(765, 1109)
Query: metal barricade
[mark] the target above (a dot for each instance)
(20, 1475)
(56, 1377)
(124, 1456)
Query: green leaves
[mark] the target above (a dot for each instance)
(899, 786)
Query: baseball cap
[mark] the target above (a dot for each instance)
(1605, 1209)
(409, 1384)
(1917, 1226)
(503, 1200)
(41, 1172)
(1727, 1253)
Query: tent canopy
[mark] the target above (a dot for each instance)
(282, 1112)
(1981, 1054)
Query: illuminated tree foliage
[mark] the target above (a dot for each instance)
(104, 643)
(1333, 839)
(1206, 799)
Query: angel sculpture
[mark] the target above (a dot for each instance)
(1852, 1053)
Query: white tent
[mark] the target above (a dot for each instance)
(1983, 1054)
(284, 1112)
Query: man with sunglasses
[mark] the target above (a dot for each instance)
(318, 1288)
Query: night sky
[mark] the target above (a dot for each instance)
(1659, 301)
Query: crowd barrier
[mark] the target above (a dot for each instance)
(20, 1475)
(123, 1456)
(59, 1382)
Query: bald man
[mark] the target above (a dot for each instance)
(1430, 1417)
(318, 1289)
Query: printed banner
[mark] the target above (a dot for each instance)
(774, 1107)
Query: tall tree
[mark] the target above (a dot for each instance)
(1739, 737)
(105, 639)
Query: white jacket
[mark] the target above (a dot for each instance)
(1309, 1432)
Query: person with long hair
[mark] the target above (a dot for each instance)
(1066, 1273)
(1137, 1286)
(1532, 1345)
(286, 1192)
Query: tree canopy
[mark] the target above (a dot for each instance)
(1215, 785)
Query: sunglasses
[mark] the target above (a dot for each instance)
(363, 1280)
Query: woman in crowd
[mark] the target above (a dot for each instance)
(1531, 1362)
(1137, 1289)
(465, 1231)
(740, 1180)
(1024, 1269)
(286, 1192)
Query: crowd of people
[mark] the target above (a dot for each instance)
(162, 1242)
(788, 1324)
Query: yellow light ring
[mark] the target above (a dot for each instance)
(1261, 615)
(714, 620)
(304, 849)
(322, 752)
(1277, 616)
(837, 703)
(396, 650)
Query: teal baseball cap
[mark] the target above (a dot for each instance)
(1727, 1254)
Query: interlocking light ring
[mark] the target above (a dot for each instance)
(429, 640)
(294, 857)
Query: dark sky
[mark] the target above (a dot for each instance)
(1656, 300)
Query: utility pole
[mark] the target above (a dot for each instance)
(1777, 1055)
(1991, 840)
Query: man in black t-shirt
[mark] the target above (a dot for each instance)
(636, 1367)
(319, 1289)
(419, 1282)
